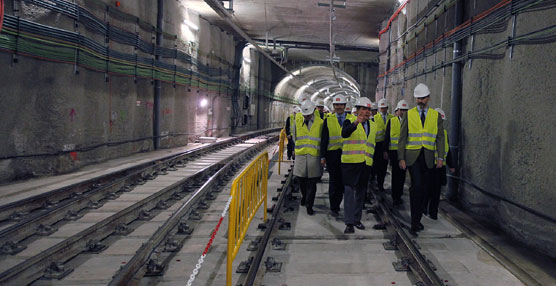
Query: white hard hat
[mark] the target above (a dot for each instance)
(320, 103)
(442, 113)
(421, 90)
(374, 106)
(338, 99)
(296, 109)
(364, 101)
(382, 103)
(326, 109)
(307, 108)
(353, 110)
(402, 104)
(349, 105)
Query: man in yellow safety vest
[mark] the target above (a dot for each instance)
(307, 167)
(391, 139)
(421, 134)
(358, 147)
(331, 152)
(290, 125)
(439, 178)
(381, 162)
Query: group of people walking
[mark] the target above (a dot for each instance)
(355, 146)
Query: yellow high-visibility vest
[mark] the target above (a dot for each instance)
(308, 141)
(359, 147)
(445, 153)
(381, 126)
(418, 136)
(334, 132)
(292, 121)
(395, 127)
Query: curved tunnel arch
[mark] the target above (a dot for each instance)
(318, 82)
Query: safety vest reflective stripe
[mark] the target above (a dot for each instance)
(354, 152)
(369, 144)
(420, 136)
(394, 138)
(339, 144)
(355, 141)
(299, 146)
(308, 137)
(335, 137)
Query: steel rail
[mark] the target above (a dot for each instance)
(130, 274)
(270, 229)
(33, 203)
(33, 268)
(418, 263)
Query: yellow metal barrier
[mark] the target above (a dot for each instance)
(249, 191)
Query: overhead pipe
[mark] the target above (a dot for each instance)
(455, 123)
(157, 83)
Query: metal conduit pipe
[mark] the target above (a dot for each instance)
(157, 84)
(455, 123)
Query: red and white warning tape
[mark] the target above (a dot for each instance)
(213, 235)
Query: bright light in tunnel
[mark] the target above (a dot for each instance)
(203, 102)
(191, 25)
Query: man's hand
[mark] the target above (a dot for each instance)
(402, 164)
(359, 119)
(323, 162)
(452, 170)
(385, 156)
(439, 163)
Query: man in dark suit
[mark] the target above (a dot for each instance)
(421, 134)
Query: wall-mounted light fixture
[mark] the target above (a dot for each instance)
(191, 25)
(203, 102)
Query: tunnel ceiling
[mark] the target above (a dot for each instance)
(356, 27)
(318, 82)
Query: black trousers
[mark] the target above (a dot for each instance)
(308, 187)
(398, 176)
(355, 190)
(336, 184)
(290, 147)
(380, 165)
(433, 197)
(421, 182)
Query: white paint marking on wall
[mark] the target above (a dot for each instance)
(68, 147)
(228, 108)
(138, 103)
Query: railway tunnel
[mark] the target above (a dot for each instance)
(108, 102)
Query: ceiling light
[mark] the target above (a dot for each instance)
(204, 102)
(191, 25)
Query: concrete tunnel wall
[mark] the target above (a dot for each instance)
(507, 116)
(49, 109)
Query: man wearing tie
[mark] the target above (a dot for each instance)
(421, 134)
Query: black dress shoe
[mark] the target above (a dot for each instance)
(397, 202)
(413, 231)
(310, 211)
(435, 217)
(420, 227)
(334, 213)
(359, 225)
(302, 201)
(349, 229)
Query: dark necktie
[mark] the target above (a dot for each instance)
(306, 123)
(423, 117)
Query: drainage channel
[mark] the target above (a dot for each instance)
(38, 214)
(46, 257)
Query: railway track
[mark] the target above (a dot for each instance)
(45, 234)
